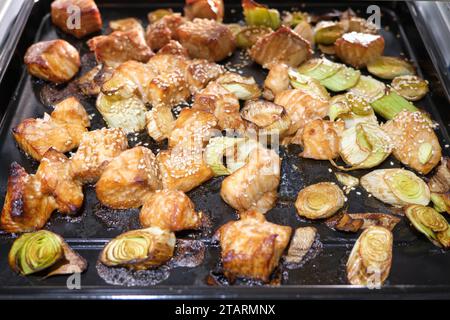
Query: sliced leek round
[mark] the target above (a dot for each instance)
(369, 88)
(344, 79)
(429, 222)
(308, 84)
(319, 201)
(370, 260)
(410, 87)
(397, 187)
(364, 146)
(319, 69)
(390, 67)
(44, 251)
(215, 151)
(139, 249)
(327, 32)
(407, 187)
(34, 252)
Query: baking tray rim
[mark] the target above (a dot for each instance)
(237, 292)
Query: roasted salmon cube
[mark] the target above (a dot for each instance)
(183, 168)
(170, 210)
(62, 130)
(204, 9)
(55, 60)
(192, 125)
(120, 46)
(127, 24)
(283, 46)
(223, 104)
(320, 139)
(200, 72)
(58, 180)
(97, 148)
(26, 207)
(206, 39)
(64, 15)
(252, 247)
(160, 33)
(128, 179)
(358, 49)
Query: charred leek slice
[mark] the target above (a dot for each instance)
(369, 88)
(215, 152)
(139, 249)
(370, 261)
(308, 84)
(44, 250)
(247, 36)
(347, 181)
(319, 69)
(352, 109)
(259, 15)
(319, 201)
(234, 150)
(441, 201)
(327, 32)
(429, 222)
(390, 67)
(126, 113)
(391, 104)
(397, 187)
(411, 88)
(364, 146)
(245, 88)
(344, 79)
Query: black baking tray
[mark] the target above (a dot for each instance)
(419, 270)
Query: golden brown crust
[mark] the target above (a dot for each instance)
(320, 139)
(70, 110)
(192, 126)
(200, 72)
(57, 179)
(409, 130)
(281, 46)
(206, 39)
(171, 210)
(90, 18)
(128, 179)
(254, 186)
(222, 103)
(204, 9)
(26, 208)
(252, 247)
(358, 49)
(301, 108)
(119, 46)
(97, 148)
(127, 24)
(161, 32)
(55, 60)
(277, 81)
(61, 131)
(183, 168)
